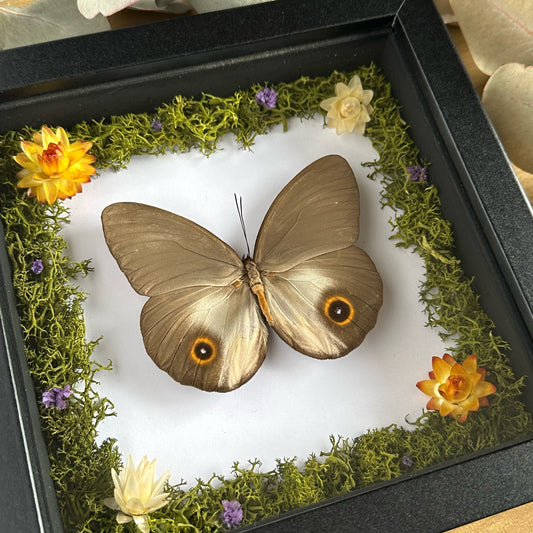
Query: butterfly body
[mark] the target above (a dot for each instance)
(257, 287)
(205, 322)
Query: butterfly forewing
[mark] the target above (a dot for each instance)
(159, 251)
(316, 212)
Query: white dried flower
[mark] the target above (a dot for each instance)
(350, 109)
(136, 493)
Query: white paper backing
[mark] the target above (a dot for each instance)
(293, 403)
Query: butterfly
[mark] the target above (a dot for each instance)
(207, 318)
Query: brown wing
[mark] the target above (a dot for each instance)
(323, 292)
(317, 212)
(201, 323)
(159, 251)
(212, 338)
(325, 306)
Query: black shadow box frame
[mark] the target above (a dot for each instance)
(137, 69)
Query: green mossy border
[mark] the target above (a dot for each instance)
(50, 306)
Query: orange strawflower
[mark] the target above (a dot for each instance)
(52, 167)
(456, 389)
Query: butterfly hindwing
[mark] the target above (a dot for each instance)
(325, 306)
(212, 338)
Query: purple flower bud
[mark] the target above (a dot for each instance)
(156, 125)
(417, 173)
(37, 266)
(407, 461)
(56, 397)
(266, 97)
(232, 514)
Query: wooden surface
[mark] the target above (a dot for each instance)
(517, 520)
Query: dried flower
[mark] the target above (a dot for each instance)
(267, 97)
(156, 125)
(37, 266)
(407, 461)
(52, 167)
(232, 514)
(417, 173)
(350, 109)
(456, 389)
(57, 397)
(136, 493)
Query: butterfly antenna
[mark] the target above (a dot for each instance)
(238, 203)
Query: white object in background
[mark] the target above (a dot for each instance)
(163, 6)
(203, 6)
(44, 20)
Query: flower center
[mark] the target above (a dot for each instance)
(456, 389)
(350, 107)
(53, 160)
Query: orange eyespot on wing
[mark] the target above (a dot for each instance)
(339, 310)
(203, 350)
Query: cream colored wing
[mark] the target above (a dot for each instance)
(201, 323)
(212, 338)
(325, 306)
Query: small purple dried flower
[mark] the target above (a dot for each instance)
(267, 97)
(156, 125)
(56, 397)
(232, 514)
(407, 461)
(417, 173)
(37, 266)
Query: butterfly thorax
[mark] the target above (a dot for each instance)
(256, 284)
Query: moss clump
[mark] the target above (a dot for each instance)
(51, 317)
(51, 312)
